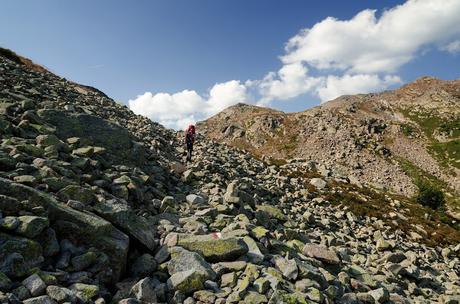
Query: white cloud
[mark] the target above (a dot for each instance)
(332, 58)
(354, 84)
(223, 95)
(453, 47)
(365, 44)
(290, 81)
(181, 109)
(168, 109)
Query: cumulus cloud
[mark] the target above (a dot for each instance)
(223, 95)
(181, 109)
(367, 44)
(290, 81)
(169, 109)
(354, 84)
(332, 58)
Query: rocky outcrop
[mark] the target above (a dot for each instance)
(82, 227)
(368, 138)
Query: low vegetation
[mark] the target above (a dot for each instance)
(430, 196)
(408, 130)
(429, 122)
(439, 228)
(21, 60)
(451, 128)
(430, 186)
(447, 153)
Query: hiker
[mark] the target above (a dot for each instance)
(189, 140)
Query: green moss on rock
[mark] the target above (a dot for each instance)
(214, 249)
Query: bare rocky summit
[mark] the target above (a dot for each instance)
(393, 140)
(96, 206)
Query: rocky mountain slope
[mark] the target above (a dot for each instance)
(96, 206)
(394, 140)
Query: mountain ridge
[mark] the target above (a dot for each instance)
(384, 115)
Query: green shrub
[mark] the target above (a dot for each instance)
(430, 196)
(407, 130)
(451, 127)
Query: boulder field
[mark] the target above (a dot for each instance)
(96, 206)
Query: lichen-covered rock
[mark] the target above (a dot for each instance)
(182, 259)
(84, 261)
(214, 248)
(73, 224)
(254, 254)
(255, 298)
(85, 292)
(136, 226)
(21, 293)
(195, 199)
(40, 300)
(272, 212)
(74, 192)
(287, 267)
(144, 290)
(188, 271)
(48, 140)
(281, 296)
(18, 255)
(262, 285)
(380, 295)
(29, 180)
(9, 223)
(99, 131)
(7, 163)
(54, 183)
(31, 226)
(231, 196)
(186, 281)
(60, 294)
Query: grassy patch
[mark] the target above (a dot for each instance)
(290, 145)
(277, 161)
(408, 130)
(447, 153)
(366, 202)
(419, 176)
(284, 139)
(451, 128)
(430, 122)
(427, 121)
(423, 179)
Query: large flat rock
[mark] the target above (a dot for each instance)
(212, 247)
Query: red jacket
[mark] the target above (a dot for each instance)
(190, 134)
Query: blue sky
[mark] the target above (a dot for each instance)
(210, 49)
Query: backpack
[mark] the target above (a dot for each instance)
(190, 134)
